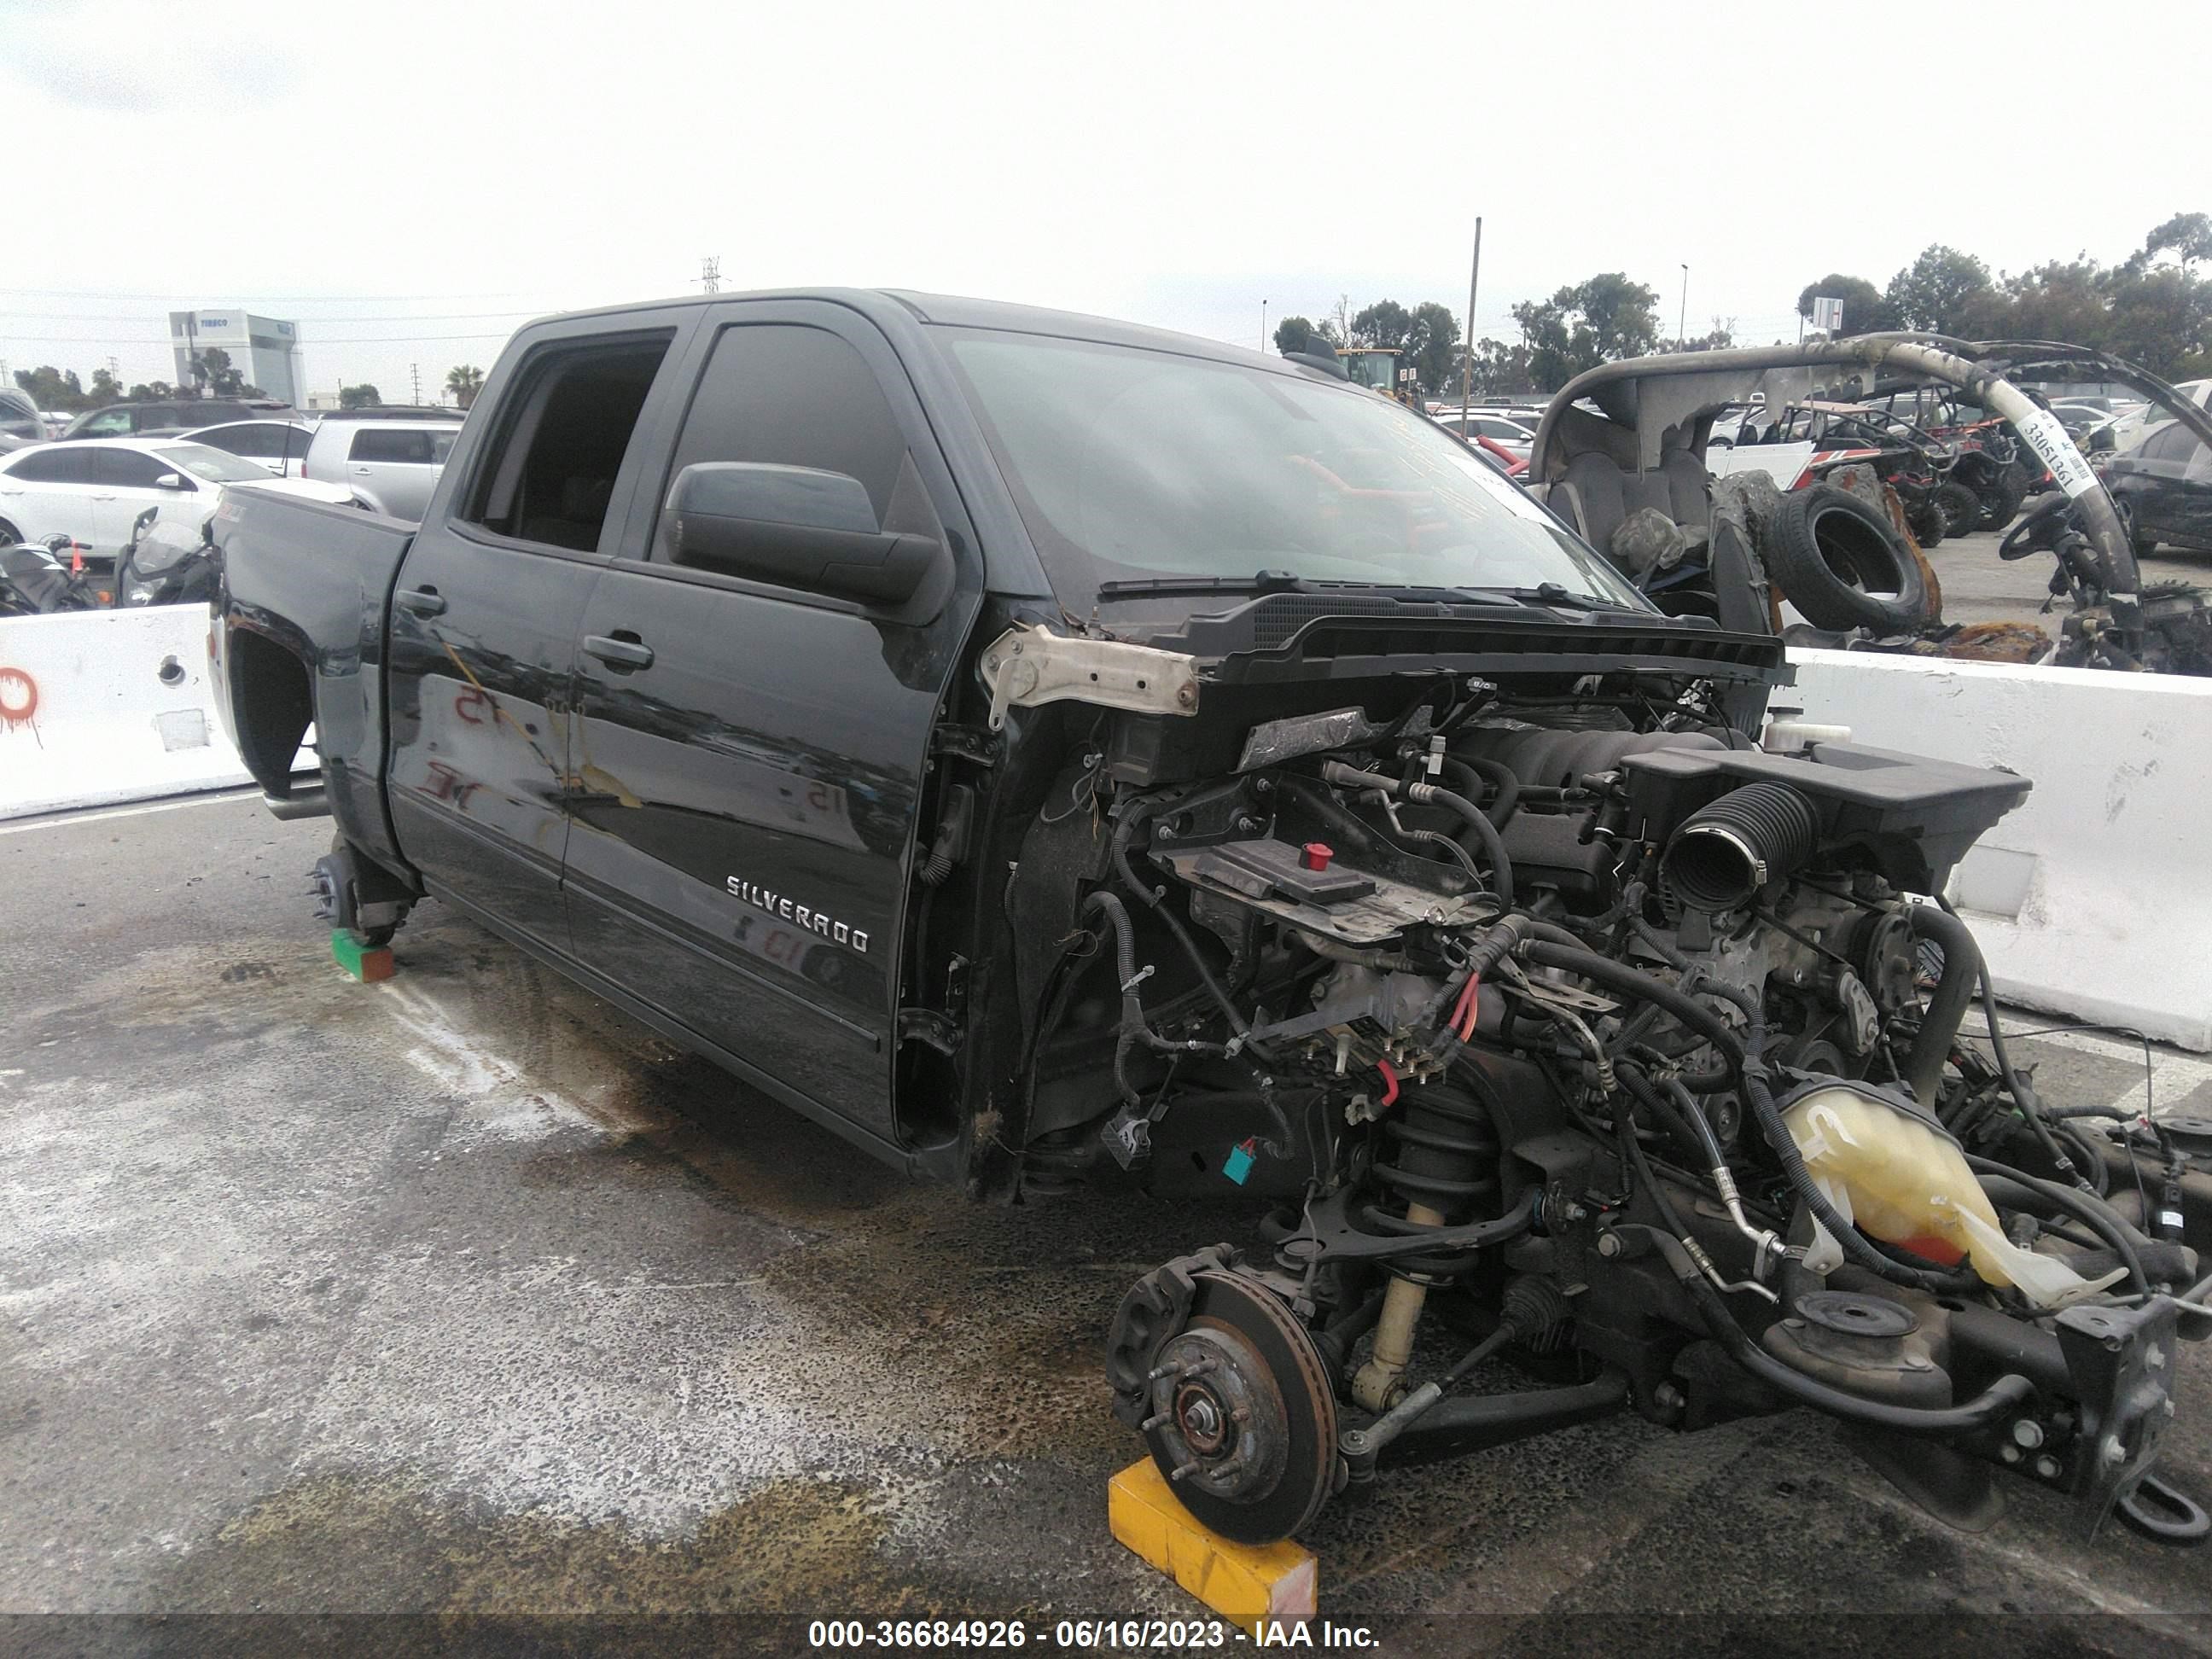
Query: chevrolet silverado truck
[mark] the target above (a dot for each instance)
(1047, 751)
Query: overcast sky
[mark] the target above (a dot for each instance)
(410, 181)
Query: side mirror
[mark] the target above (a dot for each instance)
(2102, 442)
(171, 481)
(794, 526)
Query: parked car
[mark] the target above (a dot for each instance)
(390, 460)
(2129, 428)
(2079, 419)
(92, 490)
(168, 417)
(1044, 750)
(280, 445)
(2164, 487)
(1512, 435)
(19, 420)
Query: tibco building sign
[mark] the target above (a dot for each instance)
(265, 350)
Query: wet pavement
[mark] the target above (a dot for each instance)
(465, 1294)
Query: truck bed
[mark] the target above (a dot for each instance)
(308, 584)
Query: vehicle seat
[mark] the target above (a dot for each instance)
(1689, 503)
(1601, 494)
(583, 511)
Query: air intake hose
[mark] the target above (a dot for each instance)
(1723, 854)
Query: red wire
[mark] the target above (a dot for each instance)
(1463, 1010)
(1389, 1081)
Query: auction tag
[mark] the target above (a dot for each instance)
(2046, 436)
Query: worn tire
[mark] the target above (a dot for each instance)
(1836, 559)
(2142, 546)
(1930, 526)
(2000, 499)
(9, 534)
(1961, 509)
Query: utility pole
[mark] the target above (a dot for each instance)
(415, 375)
(1263, 327)
(710, 275)
(1467, 363)
(1682, 319)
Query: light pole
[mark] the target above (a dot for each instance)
(1263, 328)
(1682, 317)
(1467, 362)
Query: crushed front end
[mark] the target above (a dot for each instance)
(1581, 1019)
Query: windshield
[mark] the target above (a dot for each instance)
(213, 464)
(1131, 464)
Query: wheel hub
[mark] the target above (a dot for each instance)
(1241, 1417)
(1224, 1432)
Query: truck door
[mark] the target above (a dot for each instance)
(484, 618)
(749, 754)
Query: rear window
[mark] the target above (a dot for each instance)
(410, 446)
(256, 438)
(212, 465)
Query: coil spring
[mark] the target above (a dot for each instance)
(1444, 1153)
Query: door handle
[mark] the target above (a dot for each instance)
(422, 601)
(620, 651)
(362, 472)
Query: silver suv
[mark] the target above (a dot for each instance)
(390, 460)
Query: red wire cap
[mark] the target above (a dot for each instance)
(1317, 854)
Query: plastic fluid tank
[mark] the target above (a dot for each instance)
(1905, 1181)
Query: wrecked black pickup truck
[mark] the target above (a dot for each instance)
(1047, 752)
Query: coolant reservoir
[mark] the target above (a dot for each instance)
(1903, 1181)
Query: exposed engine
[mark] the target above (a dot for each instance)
(1582, 1032)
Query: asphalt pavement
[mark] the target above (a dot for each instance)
(1979, 586)
(464, 1294)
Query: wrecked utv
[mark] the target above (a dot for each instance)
(1048, 752)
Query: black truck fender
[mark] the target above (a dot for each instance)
(298, 639)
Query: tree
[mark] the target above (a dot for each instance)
(1865, 312)
(151, 391)
(2057, 301)
(363, 396)
(1934, 291)
(2187, 236)
(106, 389)
(465, 380)
(1598, 321)
(50, 388)
(1426, 337)
(1386, 323)
(1501, 370)
(1436, 357)
(2163, 320)
(212, 369)
(1720, 337)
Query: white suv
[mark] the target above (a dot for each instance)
(390, 461)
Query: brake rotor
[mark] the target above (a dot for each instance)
(1243, 1420)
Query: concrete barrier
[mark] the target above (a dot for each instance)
(2093, 898)
(98, 707)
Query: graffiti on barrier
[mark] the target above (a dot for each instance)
(18, 698)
